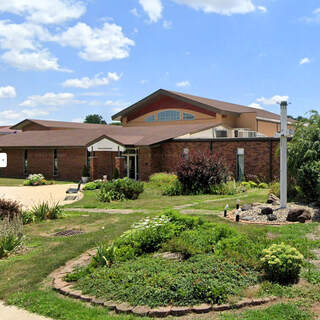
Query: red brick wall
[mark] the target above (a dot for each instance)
(103, 164)
(41, 161)
(15, 164)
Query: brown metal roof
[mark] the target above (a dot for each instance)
(209, 104)
(126, 136)
(58, 124)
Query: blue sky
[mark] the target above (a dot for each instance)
(64, 59)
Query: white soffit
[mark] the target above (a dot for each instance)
(106, 145)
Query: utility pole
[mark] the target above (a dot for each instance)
(283, 155)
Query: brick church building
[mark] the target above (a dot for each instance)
(154, 133)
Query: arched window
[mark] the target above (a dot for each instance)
(188, 116)
(169, 115)
(151, 118)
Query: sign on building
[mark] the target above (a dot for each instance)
(3, 160)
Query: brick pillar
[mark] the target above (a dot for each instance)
(92, 168)
(120, 166)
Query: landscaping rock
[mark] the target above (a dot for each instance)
(110, 305)
(202, 308)
(175, 256)
(316, 216)
(160, 312)
(266, 211)
(294, 214)
(248, 218)
(272, 217)
(273, 199)
(85, 298)
(97, 302)
(304, 217)
(180, 311)
(141, 311)
(221, 307)
(246, 207)
(123, 308)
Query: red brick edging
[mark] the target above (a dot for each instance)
(65, 288)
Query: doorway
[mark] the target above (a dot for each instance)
(132, 166)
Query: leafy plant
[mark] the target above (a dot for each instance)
(200, 171)
(35, 180)
(27, 217)
(253, 184)
(91, 186)
(263, 185)
(228, 188)
(173, 188)
(9, 209)
(11, 235)
(275, 188)
(162, 178)
(282, 263)
(44, 211)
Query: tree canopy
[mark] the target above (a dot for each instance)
(94, 118)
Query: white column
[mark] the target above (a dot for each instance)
(283, 155)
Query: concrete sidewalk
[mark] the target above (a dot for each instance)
(14, 313)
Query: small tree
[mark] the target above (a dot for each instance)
(304, 157)
(94, 118)
(199, 171)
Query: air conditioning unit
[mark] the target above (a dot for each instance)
(220, 133)
(245, 134)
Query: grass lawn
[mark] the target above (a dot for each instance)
(151, 198)
(23, 277)
(13, 182)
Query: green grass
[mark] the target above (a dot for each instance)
(13, 182)
(151, 198)
(23, 277)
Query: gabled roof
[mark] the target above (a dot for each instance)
(57, 124)
(125, 136)
(208, 104)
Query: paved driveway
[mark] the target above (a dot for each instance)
(13, 313)
(29, 196)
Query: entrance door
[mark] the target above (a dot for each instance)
(131, 167)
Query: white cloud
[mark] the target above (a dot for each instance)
(116, 103)
(51, 99)
(10, 116)
(8, 92)
(315, 18)
(135, 12)
(255, 105)
(153, 8)
(167, 24)
(79, 120)
(262, 9)
(97, 44)
(305, 61)
(98, 80)
(44, 11)
(220, 6)
(183, 84)
(143, 82)
(273, 100)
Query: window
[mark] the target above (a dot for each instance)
(188, 116)
(240, 164)
(25, 163)
(55, 162)
(151, 118)
(88, 159)
(185, 154)
(169, 115)
(221, 133)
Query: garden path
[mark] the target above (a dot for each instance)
(14, 313)
(110, 211)
(29, 196)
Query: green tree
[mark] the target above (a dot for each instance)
(94, 118)
(304, 157)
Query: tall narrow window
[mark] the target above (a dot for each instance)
(55, 162)
(25, 163)
(88, 159)
(240, 164)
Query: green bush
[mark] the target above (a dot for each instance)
(35, 180)
(27, 217)
(228, 188)
(172, 189)
(263, 185)
(44, 210)
(11, 235)
(282, 263)
(275, 188)
(9, 209)
(162, 178)
(253, 184)
(120, 189)
(91, 186)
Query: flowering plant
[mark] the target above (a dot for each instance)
(35, 180)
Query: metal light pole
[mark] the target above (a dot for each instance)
(283, 155)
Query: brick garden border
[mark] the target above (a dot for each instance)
(66, 289)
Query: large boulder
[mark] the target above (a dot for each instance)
(272, 217)
(273, 199)
(295, 214)
(266, 211)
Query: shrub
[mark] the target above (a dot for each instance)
(253, 184)
(11, 235)
(282, 263)
(90, 186)
(9, 209)
(200, 171)
(120, 189)
(35, 180)
(27, 217)
(246, 184)
(172, 189)
(263, 185)
(44, 211)
(228, 188)
(275, 188)
(163, 178)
